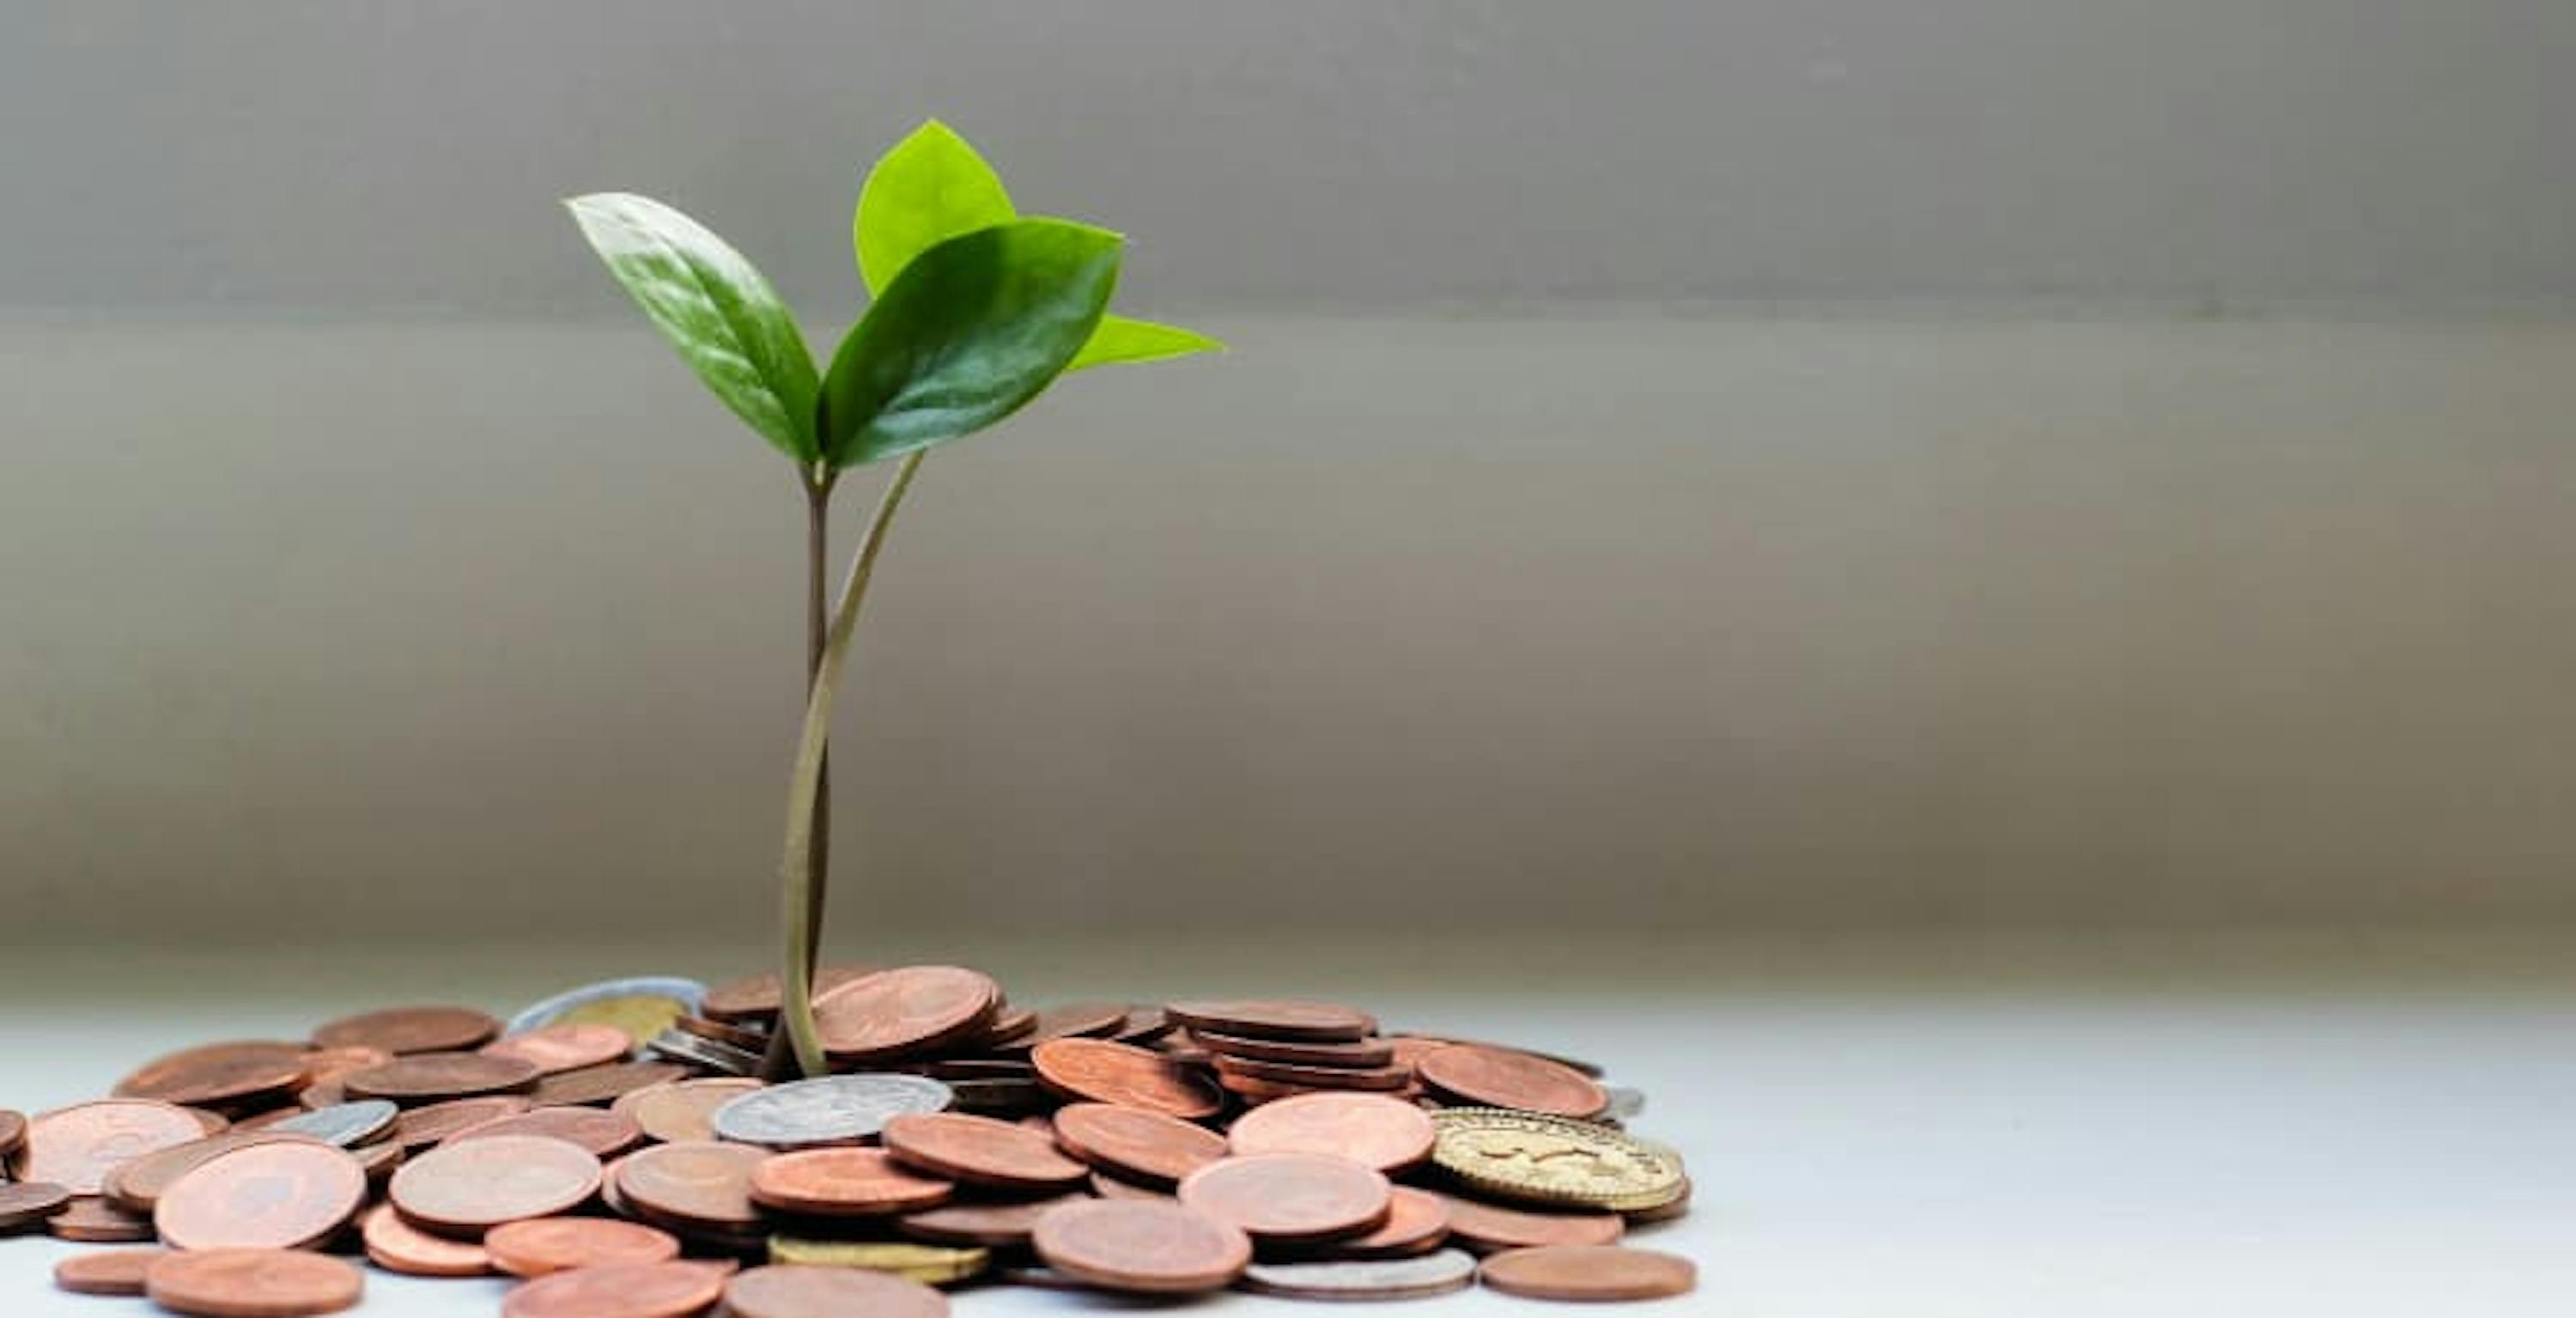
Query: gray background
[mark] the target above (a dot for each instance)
(1968, 464)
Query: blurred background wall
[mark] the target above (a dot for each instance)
(1975, 463)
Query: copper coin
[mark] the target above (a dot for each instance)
(430, 1077)
(1386, 1133)
(397, 1246)
(1499, 1077)
(411, 1030)
(13, 1131)
(106, 1271)
(326, 1093)
(137, 1186)
(789, 1291)
(1380, 1078)
(1076, 1020)
(423, 1126)
(28, 1203)
(1144, 1025)
(602, 1084)
(1276, 1019)
(253, 1283)
(1590, 1272)
(1099, 1071)
(1113, 1187)
(606, 1134)
(757, 997)
(675, 1289)
(93, 1220)
(680, 1110)
(844, 1183)
(982, 1151)
(693, 1183)
(908, 1010)
(282, 1195)
(1291, 1197)
(323, 1064)
(1487, 1227)
(470, 1187)
(991, 1225)
(541, 1245)
(1410, 1048)
(748, 1040)
(1010, 1025)
(565, 1046)
(213, 1122)
(1417, 1222)
(219, 1073)
(1154, 1246)
(1365, 1054)
(75, 1147)
(1136, 1142)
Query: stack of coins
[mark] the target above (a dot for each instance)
(614, 1150)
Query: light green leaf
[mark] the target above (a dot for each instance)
(713, 305)
(1120, 339)
(930, 188)
(970, 331)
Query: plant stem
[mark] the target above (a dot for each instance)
(796, 869)
(780, 1061)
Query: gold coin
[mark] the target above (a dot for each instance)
(642, 1016)
(932, 1264)
(1554, 1160)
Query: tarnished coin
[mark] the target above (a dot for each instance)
(343, 1124)
(1533, 1157)
(75, 1147)
(1276, 1019)
(220, 1073)
(982, 1151)
(832, 1109)
(908, 1010)
(1001, 1224)
(564, 1046)
(1001, 1098)
(1291, 1197)
(693, 1185)
(25, 1204)
(1590, 1272)
(602, 1084)
(416, 1078)
(423, 1126)
(400, 1030)
(1365, 1279)
(106, 1271)
(694, 1050)
(253, 1283)
(397, 1246)
(790, 1291)
(285, 1194)
(674, 1289)
(1385, 1133)
(1101, 1071)
(1136, 1142)
(642, 1007)
(606, 1134)
(1367, 1054)
(758, 998)
(93, 1220)
(1485, 1227)
(931, 1265)
(13, 1131)
(1155, 1247)
(1417, 1222)
(844, 1183)
(1378, 1078)
(470, 1187)
(1499, 1077)
(542, 1245)
(682, 1109)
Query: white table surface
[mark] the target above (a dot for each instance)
(2209, 1137)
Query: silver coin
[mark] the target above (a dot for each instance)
(1365, 1279)
(689, 993)
(831, 1109)
(345, 1124)
(714, 1054)
(1626, 1104)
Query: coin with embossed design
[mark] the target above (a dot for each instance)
(1102, 1071)
(833, 1109)
(469, 1187)
(1534, 1157)
(253, 1283)
(1151, 1246)
(283, 1194)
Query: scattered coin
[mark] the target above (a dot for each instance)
(715, 1055)
(253, 1283)
(324, 1064)
(1005, 1224)
(397, 1246)
(342, 1124)
(25, 1204)
(470, 1187)
(1500, 1077)
(1365, 1279)
(137, 1186)
(75, 1147)
(537, 1246)
(1590, 1272)
(982, 1151)
(844, 1183)
(564, 1046)
(1417, 1221)
(673, 1289)
(219, 1073)
(605, 1133)
(1155, 1247)
(1276, 1019)
(757, 997)
(1107, 1186)
(1102, 1071)
(1291, 1197)
(931, 1265)
(93, 1220)
(1488, 1227)
(1380, 1078)
(1074, 1020)
(13, 1131)
(602, 1084)
(1011, 1025)
(402, 1030)
(682, 1109)
(423, 1126)
(791, 1291)
(1366, 1054)
(835, 1109)
(642, 1007)
(1533, 1157)
(1136, 1142)
(284, 1194)
(1145, 1025)
(106, 1271)
(430, 1077)
(1410, 1048)
(694, 1186)
(1385, 1133)
(893, 1013)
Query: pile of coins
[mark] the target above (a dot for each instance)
(613, 1148)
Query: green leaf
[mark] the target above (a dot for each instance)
(970, 331)
(713, 305)
(930, 188)
(1120, 339)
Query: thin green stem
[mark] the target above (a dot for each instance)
(779, 1062)
(795, 868)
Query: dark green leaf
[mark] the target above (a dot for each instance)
(970, 331)
(930, 188)
(1122, 340)
(710, 302)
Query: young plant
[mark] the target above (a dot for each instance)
(975, 311)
